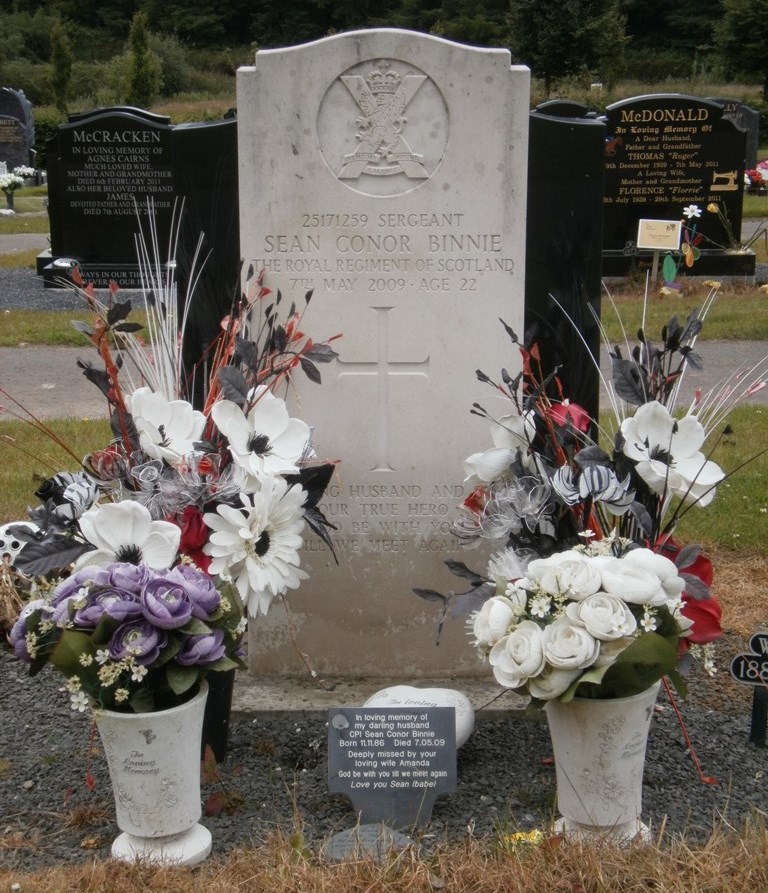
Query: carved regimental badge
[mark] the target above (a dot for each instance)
(383, 127)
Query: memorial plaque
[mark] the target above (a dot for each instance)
(392, 762)
(17, 129)
(752, 668)
(663, 153)
(391, 178)
(103, 170)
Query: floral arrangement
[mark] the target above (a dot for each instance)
(10, 182)
(590, 594)
(182, 495)
(755, 178)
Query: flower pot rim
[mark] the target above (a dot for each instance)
(202, 692)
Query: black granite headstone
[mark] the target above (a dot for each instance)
(665, 152)
(105, 171)
(746, 118)
(392, 763)
(564, 244)
(17, 129)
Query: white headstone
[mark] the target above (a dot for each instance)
(387, 170)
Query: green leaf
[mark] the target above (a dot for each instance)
(669, 269)
(195, 627)
(224, 663)
(142, 701)
(644, 662)
(66, 654)
(181, 679)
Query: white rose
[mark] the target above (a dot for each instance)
(510, 434)
(666, 570)
(493, 620)
(551, 683)
(566, 573)
(603, 616)
(631, 582)
(518, 656)
(569, 647)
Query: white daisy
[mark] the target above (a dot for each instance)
(257, 546)
(125, 531)
(266, 441)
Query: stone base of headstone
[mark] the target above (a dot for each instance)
(376, 842)
(711, 263)
(56, 272)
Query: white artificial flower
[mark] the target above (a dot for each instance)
(648, 622)
(494, 619)
(505, 564)
(551, 683)
(125, 531)
(168, 429)
(691, 211)
(666, 570)
(571, 574)
(568, 646)
(518, 656)
(667, 453)
(603, 616)
(631, 582)
(78, 700)
(257, 546)
(540, 605)
(510, 434)
(267, 441)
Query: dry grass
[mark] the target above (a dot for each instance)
(730, 862)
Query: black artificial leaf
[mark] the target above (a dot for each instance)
(641, 336)
(321, 353)
(643, 517)
(233, 385)
(127, 327)
(122, 425)
(278, 297)
(247, 352)
(695, 587)
(310, 370)
(629, 382)
(313, 480)
(687, 555)
(461, 570)
(51, 555)
(308, 296)
(692, 357)
(249, 274)
(319, 524)
(693, 325)
(481, 376)
(118, 312)
(591, 455)
(82, 327)
(430, 595)
(671, 333)
(279, 339)
(205, 446)
(510, 332)
(97, 376)
(465, 603)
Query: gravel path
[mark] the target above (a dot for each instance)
(505, 777)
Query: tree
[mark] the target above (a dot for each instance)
(61, 64)
(742, 38)
(144, 68)
(562, 38)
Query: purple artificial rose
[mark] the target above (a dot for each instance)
(138, 640)
(91, 574)
(205, 597)
(130, 577)
(201, 651)
(115, 603)
(166, 603)
(17, 637)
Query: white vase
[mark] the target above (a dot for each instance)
(599, 748)
(154, 766)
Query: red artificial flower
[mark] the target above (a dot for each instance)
(194, 535)
(704, 613)
(570, 413)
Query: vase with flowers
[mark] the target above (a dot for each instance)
(591, 604)
(146, 563)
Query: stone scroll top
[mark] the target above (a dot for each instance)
(383, 127)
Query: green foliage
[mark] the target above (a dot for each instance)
(61, 63)
(562, 38)
(742, 37)
(144, 69)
